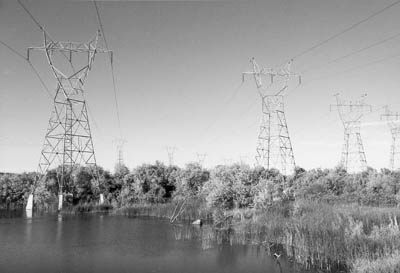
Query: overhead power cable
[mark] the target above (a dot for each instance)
(30, 15)
(345, 30)
(31, 66)
(45, 32)
(347, 55)
(112, 67)
(351, 69)
(218, 116)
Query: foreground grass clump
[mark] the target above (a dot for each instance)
(388, 264)
(88, 207)
(192, 210)
(320, 235)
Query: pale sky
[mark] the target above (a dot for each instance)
(178, 72)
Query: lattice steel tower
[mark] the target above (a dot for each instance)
(274, 148)
(120, 154)
(171, 153)
(201, 157)
(393, 121)
(68, 140)
(353, 156)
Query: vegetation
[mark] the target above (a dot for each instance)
(328, 219)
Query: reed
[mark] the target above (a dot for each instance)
(194, 210)
(316, 235)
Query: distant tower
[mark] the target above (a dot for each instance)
(243, 159)
(201, 158)
(171, 153)
(353, 156)
(120, 154)
(393, 121)
(68, 140)
(274, 148)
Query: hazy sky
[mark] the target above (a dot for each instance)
(178, 69)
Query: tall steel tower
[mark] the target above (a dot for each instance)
(201, 157)
(171, 153)
(274, 148)
(120, 154)
(393, 121)
(68, 140)
(353, 156)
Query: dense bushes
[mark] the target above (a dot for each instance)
(227, 187)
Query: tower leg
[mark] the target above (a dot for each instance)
(101, 201)
(60, 201)
(29, 204)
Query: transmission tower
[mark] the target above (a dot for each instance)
(201, 158)
(120, 154)
(243, 159)
(68, 140)
(393, 121)
(353, 156)
(274, 148)
(171, 152)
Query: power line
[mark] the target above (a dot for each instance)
(228, 101)
(354, 68)
(358, 51)
(112, 67)
(13, 50)
(30, 15)
(44, 31)
(345, 30)
(40, 79)
(31, 66)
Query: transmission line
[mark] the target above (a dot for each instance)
(112, 67)
(354, 68)
(31, 66)
(345, 30)
(228, 101)
(357, 51)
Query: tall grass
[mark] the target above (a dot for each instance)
(317, 235)
(387, 264)
(193, 211)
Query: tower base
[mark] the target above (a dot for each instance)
(29, 204)
(101, 201)
(60, 201)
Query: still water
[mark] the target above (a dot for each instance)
(109, 243)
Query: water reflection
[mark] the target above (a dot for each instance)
(103, 243)
(59, 227)
(28, 226)
(28, 213)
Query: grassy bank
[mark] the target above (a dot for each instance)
(192, 211)
(323, 236)
(317, 235)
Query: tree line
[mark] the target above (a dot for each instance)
(224, 186)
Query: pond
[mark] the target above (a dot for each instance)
(112, 243)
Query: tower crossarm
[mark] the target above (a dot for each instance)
(283, 75)
(392, 119)
(257, 74)
(350, 112)
(70, 47)
(286, 74)
(67, 50)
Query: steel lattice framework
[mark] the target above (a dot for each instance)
(393, 121)
(120, 153)
(68, 140)
(201, 157)
(353, 157)
(171, 153)
(274, 148)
